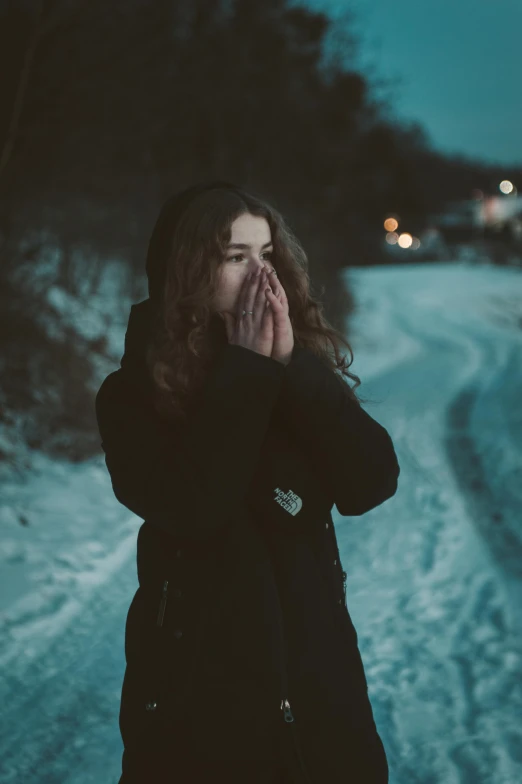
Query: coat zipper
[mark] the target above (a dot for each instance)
(289, 719)
(163, 604)
(152, 704)
(344, 586)
(286, 708)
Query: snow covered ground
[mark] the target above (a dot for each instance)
(434, 574)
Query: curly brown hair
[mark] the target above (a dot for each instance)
(186, 250)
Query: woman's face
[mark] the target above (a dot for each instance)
(253, 233)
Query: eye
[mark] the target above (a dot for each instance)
(240, 255)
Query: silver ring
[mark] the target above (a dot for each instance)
(251, 312)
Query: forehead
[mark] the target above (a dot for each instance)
(250, 229)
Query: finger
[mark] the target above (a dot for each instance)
(245, 292)
(255, 288)
(280, 292)
(244, 295)
(279, 312)
(241, 300)
(277, 288)
(277, 309)
(246, 285)
(275, 304)
(261, 293)
(268, 316)
(260, 302)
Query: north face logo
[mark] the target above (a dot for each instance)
(289, 501)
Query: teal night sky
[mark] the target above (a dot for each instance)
(459, 65)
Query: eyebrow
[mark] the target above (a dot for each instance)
(242, 246)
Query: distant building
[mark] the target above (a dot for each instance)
(501, 214)
(489, 217)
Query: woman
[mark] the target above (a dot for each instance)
(229, 430)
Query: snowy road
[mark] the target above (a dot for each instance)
(434, 574)
(62, 658)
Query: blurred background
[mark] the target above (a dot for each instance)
(389, 136)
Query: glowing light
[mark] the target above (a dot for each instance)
(405, 240)
(390, 224)
(506, 186)
(392, 238)
(415, 243)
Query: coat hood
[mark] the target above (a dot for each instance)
(160, 243)
(140, 328)
(137, 335)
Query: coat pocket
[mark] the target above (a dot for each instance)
(145, 699)
(173, 631)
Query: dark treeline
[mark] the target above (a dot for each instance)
(107, 108)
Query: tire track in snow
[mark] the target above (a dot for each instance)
(494, 519)
(442, 658)
(488, 511)
(60, 708)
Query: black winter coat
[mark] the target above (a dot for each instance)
(238, 638)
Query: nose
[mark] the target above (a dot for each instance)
(260, 265)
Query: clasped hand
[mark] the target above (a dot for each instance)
(269, 332)
(283, 332)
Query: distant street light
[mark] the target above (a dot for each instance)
(390, 224)
(405, 240)
(506, 186)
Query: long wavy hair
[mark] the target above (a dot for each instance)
(194, 242)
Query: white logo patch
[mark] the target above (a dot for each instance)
(289, 501)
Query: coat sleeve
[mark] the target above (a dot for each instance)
(192, 480)
(353, 453)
